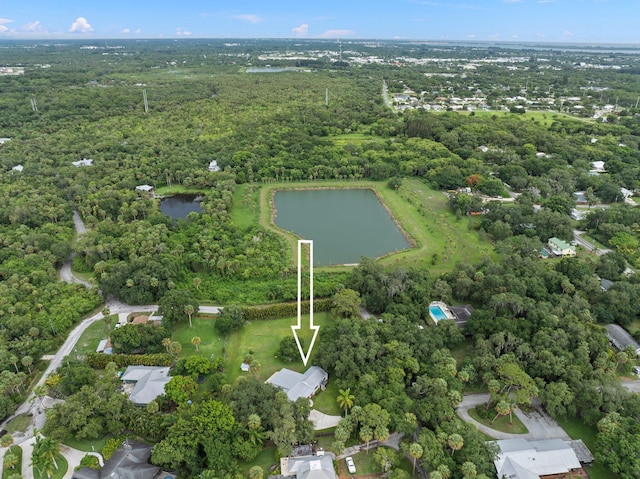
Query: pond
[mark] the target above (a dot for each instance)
(344, 224)
(179, 206)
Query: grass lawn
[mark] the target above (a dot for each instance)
(265, 460)
(58, 473)
(579, 430)
(246, 201)
(176, 189)
(263, 338)
(325, 401)
(501, 423)
(92, 336)
(86, 445)
(426, 216)
(354, 139)
(364, 462)
(19, 423)
(17, 469)
(212, 343)
(546, 118)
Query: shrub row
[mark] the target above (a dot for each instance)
(283, 310)
(100, 361)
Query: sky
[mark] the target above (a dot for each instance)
(570, 21)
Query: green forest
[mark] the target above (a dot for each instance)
(505, 182)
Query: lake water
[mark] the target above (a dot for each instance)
(343, 224)
(179, 206)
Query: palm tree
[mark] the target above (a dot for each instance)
(166, 342)
(189, 309)
(469, 470)
(196, 340)
(27, 362)
(256, 472)
(502, 409)
(44, 455)
(415, 451)
(106, 317)
(455, 442)
(174, 348)
(11, 460)
(366, 434)
(345, 399)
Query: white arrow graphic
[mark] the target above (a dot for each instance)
(305, 357)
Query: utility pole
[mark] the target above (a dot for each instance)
(326, 98)
(146, 104)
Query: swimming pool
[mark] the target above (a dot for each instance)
(436, 313)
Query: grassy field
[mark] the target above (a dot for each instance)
(86, 445)
(354, 139)
(92, 336)
(501, 423)
(263, 338)
(545, 118)
(423, 215)
(19, 423)
(579, 430)
(326, 402)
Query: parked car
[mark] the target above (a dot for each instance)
(350, 465)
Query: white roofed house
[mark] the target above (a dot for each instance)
(308, 467)
(298, 385)
(148, 189)
(145, 383)
(522, 459)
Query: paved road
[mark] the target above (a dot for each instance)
(66, 274)
(385, 95)
(587, 245)
(632, 386)
(539, 424)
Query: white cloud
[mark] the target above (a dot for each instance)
(337, 33)
(302, 30)
(33, 27)
(567, 33)
(249, 17)
(182, 33)
(81, 25)
(125, 30)
(5, 20)
(3, 29)
(137, 30)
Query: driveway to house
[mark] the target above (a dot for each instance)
(587, 245)
(321, 420)
(539, 424)
(632, 386)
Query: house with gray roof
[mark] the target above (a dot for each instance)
(308, 467)
(298, 385)
(620, 338)
(522, 459)
(130, 461)
(145, 383)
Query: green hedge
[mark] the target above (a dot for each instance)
(100, 361)
(283, 310)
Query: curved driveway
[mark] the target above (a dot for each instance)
(539, 424)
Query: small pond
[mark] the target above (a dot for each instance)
(344, 224)
(179, 206)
